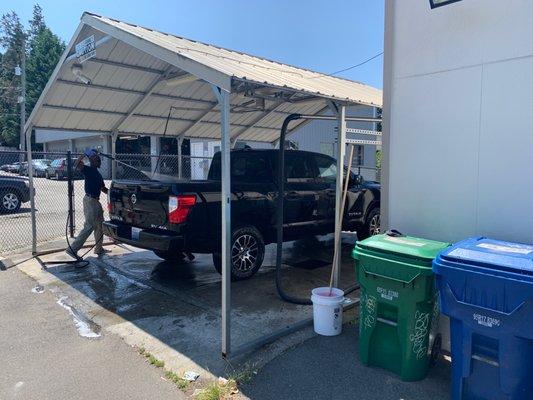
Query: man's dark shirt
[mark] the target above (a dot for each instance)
(93, 181)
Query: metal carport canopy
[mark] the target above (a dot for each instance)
(138, 73)
(135, 75)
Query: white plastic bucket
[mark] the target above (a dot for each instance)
(327, 310)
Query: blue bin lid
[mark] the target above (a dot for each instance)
(493, 254)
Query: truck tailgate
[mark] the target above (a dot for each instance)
(142, 204)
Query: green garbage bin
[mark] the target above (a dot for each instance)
(398, 309)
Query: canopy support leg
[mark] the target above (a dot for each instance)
(225, 147)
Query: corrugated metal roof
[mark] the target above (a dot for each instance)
(137, 60)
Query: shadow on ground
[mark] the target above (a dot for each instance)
(328, 368)
(179, 304)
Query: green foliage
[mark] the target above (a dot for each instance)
(155, 362)
(216, 391)
(12, 41)
(42, 49)
(46, 50)
(178, 381)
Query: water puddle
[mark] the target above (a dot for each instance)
(37, 289)
(86, 328)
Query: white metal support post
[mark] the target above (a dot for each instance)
(341, 151)
(225, 147)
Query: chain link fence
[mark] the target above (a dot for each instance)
(146, 166)
(51, 186)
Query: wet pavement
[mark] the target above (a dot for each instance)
(172, 310)
(176, 306)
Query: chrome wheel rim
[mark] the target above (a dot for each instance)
(374, 226)
(244, 253)
(10, 201)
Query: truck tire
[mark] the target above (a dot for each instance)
(172, 256)
(372, 224)
(247, 253)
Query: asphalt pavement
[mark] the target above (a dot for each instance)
(44, 356)
(328, 368)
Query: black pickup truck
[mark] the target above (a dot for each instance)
(173, 217)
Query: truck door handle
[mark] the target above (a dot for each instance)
(292, 195)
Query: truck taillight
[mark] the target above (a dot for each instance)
(179, 207)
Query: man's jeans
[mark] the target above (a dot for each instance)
(94, 216)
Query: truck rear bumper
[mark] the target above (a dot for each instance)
(146, 239)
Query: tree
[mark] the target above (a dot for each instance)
(37, 24)
(43, 50)
(46, 49)
(12, 37)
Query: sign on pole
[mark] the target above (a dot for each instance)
(85, 49)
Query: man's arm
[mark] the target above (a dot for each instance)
(78, 164)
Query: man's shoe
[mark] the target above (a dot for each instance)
(71, 253)
(101, 252)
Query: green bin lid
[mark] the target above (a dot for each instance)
(406, 246)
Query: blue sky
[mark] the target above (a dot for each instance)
(322, 35)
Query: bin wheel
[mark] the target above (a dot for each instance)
(435, 350)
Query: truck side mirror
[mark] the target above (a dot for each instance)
(355, 180)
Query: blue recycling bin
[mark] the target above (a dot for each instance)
(486, 288)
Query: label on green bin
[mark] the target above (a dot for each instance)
(407, 241)
(387, 294)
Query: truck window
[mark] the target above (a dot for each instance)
(245, 168)
(327, 168)
(250, 168)
(298, 167)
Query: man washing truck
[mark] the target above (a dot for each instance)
(88, 165)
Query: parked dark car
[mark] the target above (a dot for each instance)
(58, 170)
(180, 216)
(13, 192)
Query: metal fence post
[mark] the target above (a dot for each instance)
(70, 189)
(32, 192)
(180, 166)
(114, 137)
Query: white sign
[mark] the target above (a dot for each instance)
(404, 241)
(86, 49)
(484, 320)
(507, 249)
(387, 294)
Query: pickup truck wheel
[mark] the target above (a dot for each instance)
(372, 224)
(9, 201)
(169, 255)
(247, 253)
